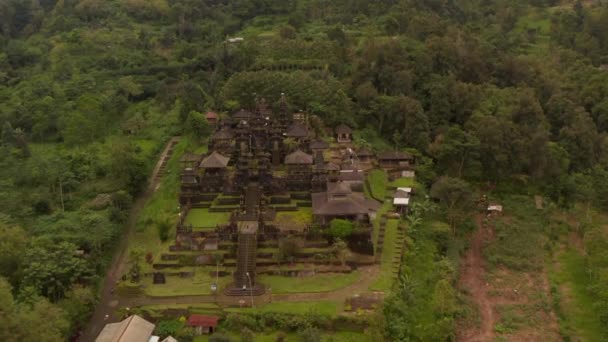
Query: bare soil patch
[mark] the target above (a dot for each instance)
(512, 305)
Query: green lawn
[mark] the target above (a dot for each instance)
(298, 219)
(320, 307)
(202, 218)
(577, 315)
(377, 180)
(403, 182)
(385, 280)
(200, 284)
(317, 283)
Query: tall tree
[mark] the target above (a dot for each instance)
(456, 197)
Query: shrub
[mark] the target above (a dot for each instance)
(168, 328)
(309, 334)
(163, 230)
(340, 229)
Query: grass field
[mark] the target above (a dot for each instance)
(294, 219)
(577, 316)
(200, 284)
(317, 283)
(403, 182)
(377, 180)
(385, 280)
(202, 218)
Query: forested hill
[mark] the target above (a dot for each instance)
(511, 92)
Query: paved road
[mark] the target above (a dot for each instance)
(108, 301)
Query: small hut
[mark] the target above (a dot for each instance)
(395, 159)
(203, 324)
(401, 200)
(339, 201)
(344, 134)
(212, 118)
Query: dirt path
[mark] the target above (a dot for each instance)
(473, 281)
(108, 302)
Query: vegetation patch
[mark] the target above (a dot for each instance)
(318, 283)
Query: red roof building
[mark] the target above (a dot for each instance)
(211, 117)
(203, 324)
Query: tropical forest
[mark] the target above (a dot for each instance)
(303, 170)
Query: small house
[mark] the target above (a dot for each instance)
(365, 155)
(494, 209)
(401, 199)
(395, 159)
(131, 329)
(203, 324)
(339, 201)
(344, 134)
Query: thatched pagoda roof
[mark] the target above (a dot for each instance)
(298, 158)
(343, 129)
(214, 161)
(297, 131)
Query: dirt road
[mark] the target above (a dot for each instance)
(108, 301)
(472, 280)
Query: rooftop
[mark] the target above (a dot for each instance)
(343, 129)
(131, 329)
(297, 130)
(202, 321)
(214, 161)
(298, 158)
(394, 155)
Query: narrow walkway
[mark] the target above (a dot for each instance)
(108, 300)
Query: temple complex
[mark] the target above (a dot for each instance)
(263, 164)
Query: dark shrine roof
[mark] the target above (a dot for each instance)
(298, 158)
(319, 145)
(394, 155)
(203, 321)
(223, 134)
(332, 167)
(343, 129)
(354, 175)
(297, 131)
(339, 200)
(189, 179)
(214, 161)
(242, 114)
(190, 157)
(365, 152)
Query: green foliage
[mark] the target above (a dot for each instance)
(341, 229)
(456, 198)
(377, 180)
(39, 321)
(51, 268)
(197, 125)
(288, 248)
(13, 240)
(163, 230)
(168, 327)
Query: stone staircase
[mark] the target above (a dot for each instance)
(161, 168)
(399, 250)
